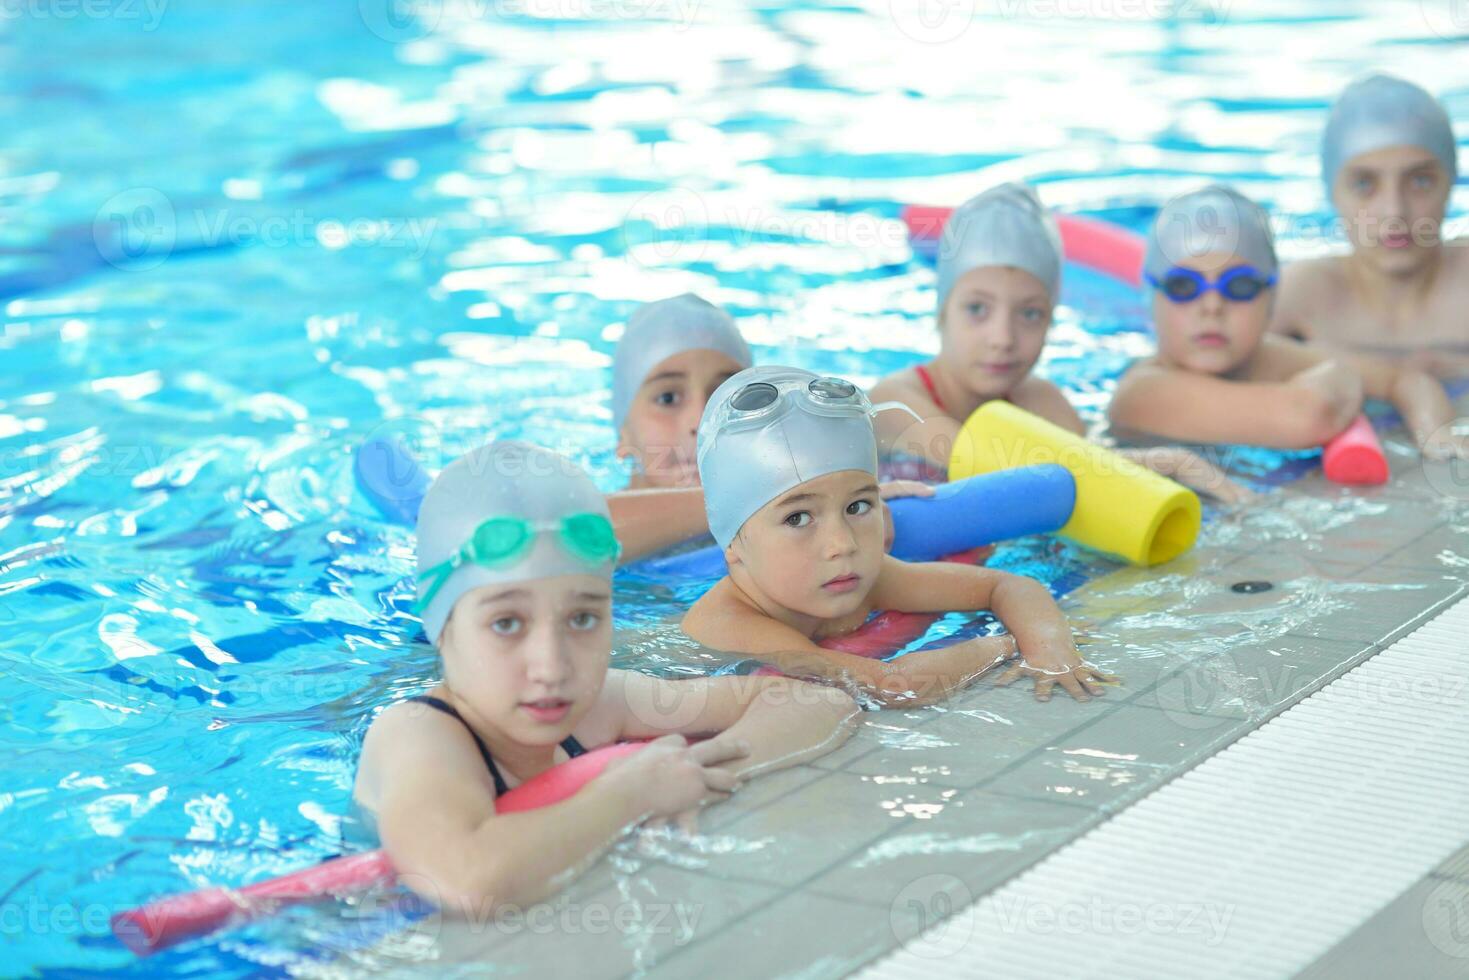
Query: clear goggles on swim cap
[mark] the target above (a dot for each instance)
(759, 403)
(501, 541)
(1240, 284)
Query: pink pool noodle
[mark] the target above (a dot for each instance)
(1355, 456)
(158, 925)
(1096, 244)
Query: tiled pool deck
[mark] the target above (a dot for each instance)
(831, 864)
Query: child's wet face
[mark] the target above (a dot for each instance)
(530, 657)
(993, 327)
(1392, 202)
(662, 424)
(1210, 334)
(816, 549)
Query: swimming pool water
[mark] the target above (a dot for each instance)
(238, 238)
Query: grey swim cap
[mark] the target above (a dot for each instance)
(746, 464)
(502, 479)
(1379, 111)
(1005, 226)
(1214, 219)
(657, 331)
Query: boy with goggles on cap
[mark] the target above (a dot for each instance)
(515, 557)
(1217, 376)
(789, 465)
(1389, 161)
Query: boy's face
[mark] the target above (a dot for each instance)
(662, 424)
(1210, 334)
(530, 657)
(994, 325)
(1393, 202)
(816, 549)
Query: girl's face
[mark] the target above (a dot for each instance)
(1393, 202)
(1210, 334)
(661, 429)
(530, 657)
(815, 550)
(992, 328)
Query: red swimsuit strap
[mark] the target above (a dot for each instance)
(927, 379)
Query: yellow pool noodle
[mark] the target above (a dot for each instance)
(1121, 508)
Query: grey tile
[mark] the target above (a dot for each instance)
(1419, 934)
(977, 735)
(1445, 549)
(757, 793)
(801, 835)
(977, 841)
(1255, 680)
(1383, 607)
(629, 926)
(877, 730)
(805, 935)
(1127, 753)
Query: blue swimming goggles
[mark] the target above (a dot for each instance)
(1240, 284)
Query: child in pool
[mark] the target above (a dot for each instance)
(1389, 161)
(1217, 376)
(999, 276)
(789, 465)
(674, 353)
(515, 555)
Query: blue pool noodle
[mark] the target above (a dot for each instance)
(981, 510)
(389, 475)
(961, 515)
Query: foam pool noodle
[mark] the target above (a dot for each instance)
(1122, 509)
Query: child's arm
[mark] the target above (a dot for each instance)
(777, 721)
(1303, 412)
(1420, 399)
(424, 780)
(1022, 605)
(650, 520)
(920, 678)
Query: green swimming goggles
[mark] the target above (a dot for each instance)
(501, 541)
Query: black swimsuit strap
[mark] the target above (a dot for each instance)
(570, 745)
(500, 788)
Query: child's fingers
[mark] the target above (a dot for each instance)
(1043, 686)
(903, 488)
(717, 751)
(1010, 676)
(1074, 687)
(721, 780)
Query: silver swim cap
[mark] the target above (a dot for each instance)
(1214, 219)
(657, 331)
(768, 429)
(535, 492)
(1379, 111)
(1004, 226)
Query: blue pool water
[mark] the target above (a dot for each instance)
(239, 238)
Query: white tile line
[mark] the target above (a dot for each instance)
(1258, 860)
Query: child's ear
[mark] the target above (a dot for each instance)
(732, 553)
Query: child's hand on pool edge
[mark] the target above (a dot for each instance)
(669, 776)
(1057, 663)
